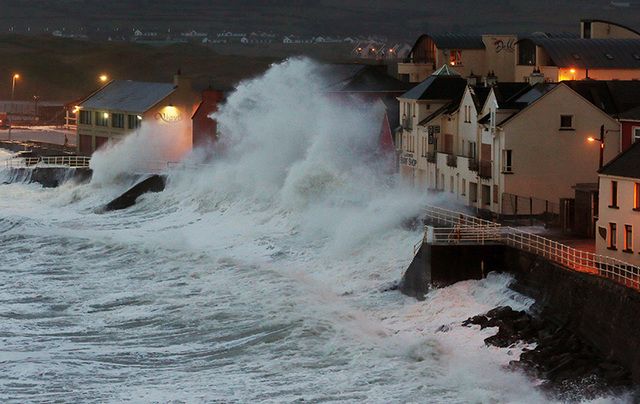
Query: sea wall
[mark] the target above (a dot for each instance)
(48, 177)
(600, 311)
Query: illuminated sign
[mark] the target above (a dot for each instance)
(169, 114)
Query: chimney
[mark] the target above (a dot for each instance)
(181, 81)
(472, 80)
(536, 77)
(491, 79)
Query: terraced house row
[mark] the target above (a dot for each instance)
(531, 143)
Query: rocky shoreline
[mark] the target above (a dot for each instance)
(568, 366)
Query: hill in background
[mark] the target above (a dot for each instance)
(63, 69)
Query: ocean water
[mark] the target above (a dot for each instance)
(258, 275)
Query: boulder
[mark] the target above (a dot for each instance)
(154, 183)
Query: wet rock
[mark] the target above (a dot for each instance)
(154, 183)
(569, 366)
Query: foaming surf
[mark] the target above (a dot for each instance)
(257, 275)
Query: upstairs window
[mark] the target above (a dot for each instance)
(117, 120)
(614, 195)
(636, 196)
(566, 122)
(85, 117)
(636, 134)
(455, 57)
(102, 118)
(507, 161)
(134, 121)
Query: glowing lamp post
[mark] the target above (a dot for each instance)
(601, 140)
(103, 78)
(14, 78)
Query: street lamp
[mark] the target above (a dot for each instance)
(15, 77)
(601, 140)
(103, 78)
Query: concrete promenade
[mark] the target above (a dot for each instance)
(45, 134)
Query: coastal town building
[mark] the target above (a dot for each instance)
(505, 148)
(618, 225)
(121, 107)
(468, 54)
(603, 51)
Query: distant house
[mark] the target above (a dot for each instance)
(618, 225)
(121, 107)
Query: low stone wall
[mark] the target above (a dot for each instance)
(49, 177)
(600, 311)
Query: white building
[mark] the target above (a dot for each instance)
(618, 225)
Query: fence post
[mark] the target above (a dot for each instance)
(531, 210)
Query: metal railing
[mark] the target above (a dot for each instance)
(452, 160)
(463, 228)
(473, 164)
(64, 161)
(484, 169)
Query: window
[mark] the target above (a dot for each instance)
(472, 150)
(102, 118)
(614, 195)
(506, 161)
(496, 193)
(628, 238)
(636, 134)
(612, 236)
(117, 120)
(451, 184)
(526, 53)
(636, 196)
(85, 117)
(455, 57)
(566, 122)
(473, 192)
(134, 121)
(463, 191)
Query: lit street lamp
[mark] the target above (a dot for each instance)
(601, 140)
(15, 77)
(103, 78)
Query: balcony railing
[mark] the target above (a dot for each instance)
(473, 164)
(432, 157)
(452, 160)
(485, 169)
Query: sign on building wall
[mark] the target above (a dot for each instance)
(407, 159)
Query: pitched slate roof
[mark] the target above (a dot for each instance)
(361, 78)
(590, 53)
(631, 115)
(612, 96)
(626, 164)
(127, 95)
(437, 87)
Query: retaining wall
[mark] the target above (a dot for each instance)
(603, 313)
